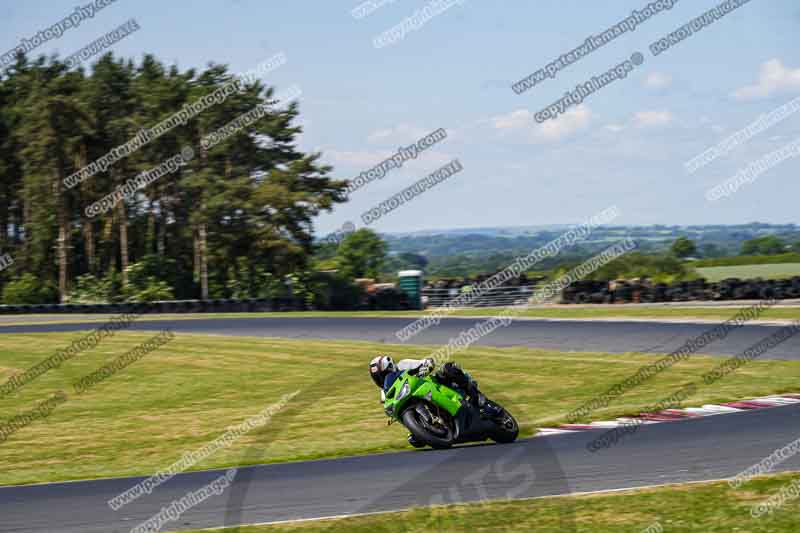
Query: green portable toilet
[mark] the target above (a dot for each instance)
(410, 282)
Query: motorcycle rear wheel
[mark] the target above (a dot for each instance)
(507, 429)
(436, 435)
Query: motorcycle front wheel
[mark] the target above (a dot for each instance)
(430, 424)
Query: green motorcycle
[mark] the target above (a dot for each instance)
(439, 417)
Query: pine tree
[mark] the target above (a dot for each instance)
(239, 211)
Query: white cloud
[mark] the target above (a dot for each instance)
(652, 119)
(358, 159)
(705, 120)
(367, 159)
(516, 119)
(403, 133)
(642, 119)
(574, 120)
(774, 77)
(658, 80)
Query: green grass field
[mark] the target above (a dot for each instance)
(695, 508)
(738, 260)
(769, 271)
(185, 394)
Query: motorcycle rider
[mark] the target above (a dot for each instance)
(384, 371)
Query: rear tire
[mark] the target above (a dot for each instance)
(440, 436)
(415, 443)
(507, 429)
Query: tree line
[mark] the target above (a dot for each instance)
(230, 222)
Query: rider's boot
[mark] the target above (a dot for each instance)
(488, 408)
(479, 401)
(451, 373)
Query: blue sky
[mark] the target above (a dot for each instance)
(625, 145)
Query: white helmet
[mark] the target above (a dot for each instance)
(380, 367)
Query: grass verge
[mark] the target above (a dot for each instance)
(185, 394)
(633, 311)
(768, 271)
(699, 508)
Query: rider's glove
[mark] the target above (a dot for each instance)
(426, 367)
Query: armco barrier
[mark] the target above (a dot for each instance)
(172, 306)
(490, 297)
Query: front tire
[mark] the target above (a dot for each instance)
(429, 424)
(507, 429)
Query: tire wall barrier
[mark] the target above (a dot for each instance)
(598, 292)
(379, 300)
(173, 306)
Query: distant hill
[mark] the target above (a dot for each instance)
(461, 251)
(513, 231)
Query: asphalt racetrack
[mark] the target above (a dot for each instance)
(565, 335)
(706, 448)
(701, 449)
